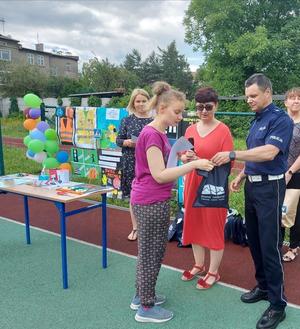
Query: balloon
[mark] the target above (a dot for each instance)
(40, 157)
(62, 156)
(42, 126)
(29, 154)
(26, 112)
(50, 163)
(50, 134)
(66, 166)
(29, 124)
(36, 146)
(37, 134)
(26, 140)
(51, 147)
(32, 100)
(34, 113)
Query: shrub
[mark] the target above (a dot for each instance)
(14, 110)
(94, 101)
(75, 101)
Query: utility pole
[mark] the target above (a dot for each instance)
(2, 20)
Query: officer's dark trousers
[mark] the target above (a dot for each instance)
(263, 206)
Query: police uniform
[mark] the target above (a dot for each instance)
(264, 194)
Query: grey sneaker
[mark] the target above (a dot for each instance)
(155, 314)
(135, 303)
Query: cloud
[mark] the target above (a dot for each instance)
(107, 29)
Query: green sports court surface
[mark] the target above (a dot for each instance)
(32, 296)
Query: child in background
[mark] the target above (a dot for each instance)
(132, 126)
(150, 197)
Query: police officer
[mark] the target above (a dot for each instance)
(265, 164)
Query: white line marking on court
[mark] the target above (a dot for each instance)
(128, 255)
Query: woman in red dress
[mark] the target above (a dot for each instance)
(204, 227)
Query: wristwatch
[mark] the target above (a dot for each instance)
(232, 155)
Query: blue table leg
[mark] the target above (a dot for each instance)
(104, 232)
(27, 225)
(63, 241)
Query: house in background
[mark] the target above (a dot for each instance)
(52, 64)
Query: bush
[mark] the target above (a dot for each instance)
(59, 101)
(14, 110)
(75, 101)
(94, 101)
(118, 101)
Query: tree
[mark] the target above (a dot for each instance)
(175, 68)
(241, 37)
(104, 76)
(151, 70)
(133, 62)
(20, 79)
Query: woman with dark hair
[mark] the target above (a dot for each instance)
(204, 227)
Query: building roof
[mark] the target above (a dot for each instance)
(8, 38)
(76, 58)
(102, 94)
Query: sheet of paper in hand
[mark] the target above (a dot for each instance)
(213, 189)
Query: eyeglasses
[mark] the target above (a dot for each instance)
(208, 107)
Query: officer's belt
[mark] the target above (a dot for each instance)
(260, 178)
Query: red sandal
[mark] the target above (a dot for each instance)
(188, 276)
(202, 284)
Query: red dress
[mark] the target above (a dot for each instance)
(205, 226)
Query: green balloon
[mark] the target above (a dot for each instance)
(36, 146)
(51, 147)
(32, 100)
(50, 134)
(26, 140)
(50, 163)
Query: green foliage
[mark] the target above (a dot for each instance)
(14, 108)
(118, 102)
(104, 76)
(59, 101)
(167, 65)
(240, 37)
(75, 101)
(21, 79)
(94, 101)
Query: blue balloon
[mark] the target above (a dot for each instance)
(30, 154)
(37, 134)
(62, 156)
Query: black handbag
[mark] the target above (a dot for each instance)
(213, 189)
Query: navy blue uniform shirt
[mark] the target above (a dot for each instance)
(271, 126)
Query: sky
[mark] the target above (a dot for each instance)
(103, 29)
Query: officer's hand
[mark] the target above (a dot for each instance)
(288, 177)
(235, 184)
(220, 158)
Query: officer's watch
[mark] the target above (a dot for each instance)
(232, 155)
(290, 172)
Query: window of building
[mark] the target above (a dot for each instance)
(5, 55)
(30, 59)
(40, 60)
(68, 67)
(54, 71)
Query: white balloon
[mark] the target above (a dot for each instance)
(40, 157)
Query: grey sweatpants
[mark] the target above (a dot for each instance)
(152, 226)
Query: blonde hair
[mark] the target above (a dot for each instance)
(164, 94)
(292, 93)
(136, 92)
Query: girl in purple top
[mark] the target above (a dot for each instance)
(150, 195)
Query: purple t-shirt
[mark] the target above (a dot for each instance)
(145, 190)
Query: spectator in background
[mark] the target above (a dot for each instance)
(204, 227)
(130, 128)
(150, 199)
(291, 206)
